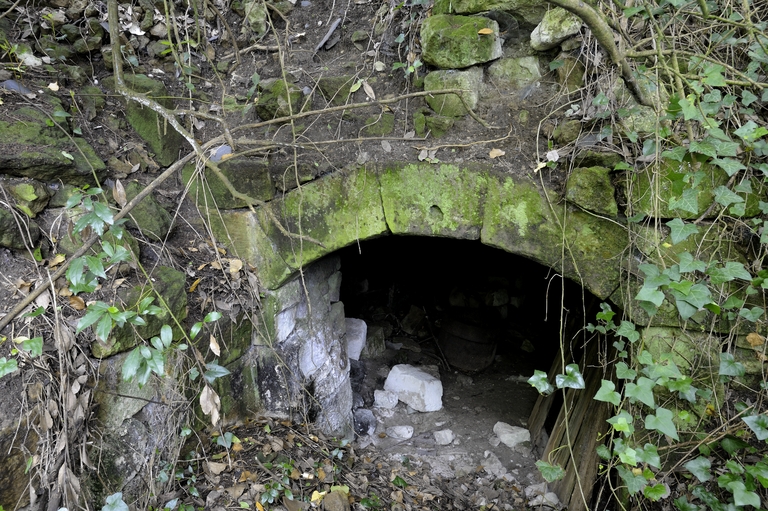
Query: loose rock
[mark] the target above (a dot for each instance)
(511, 436)
(416, 388)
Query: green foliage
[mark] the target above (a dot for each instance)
(115, 503)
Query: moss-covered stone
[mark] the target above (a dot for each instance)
(515, 73)
(277, 98)
(433, 200)
(521, 219)
(170, 284)
(336, 89)
(530, 11)
(162, 139)
(451, 105)
(249, 176)
(31, 149)
(567, 132)
(570, 75)
(91, 100)
(31, 196)
(148, 216)
(438, 125)
(380, 125)
(11, 236)
(556, 26)
(453, 42)
(591, 189)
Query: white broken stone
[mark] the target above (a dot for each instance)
(357, 330)
(444, 437)
(493, 465)
(549, 499)
(384, 399)
(511, 436)
(415, 387)
(400, 432)
(535, 490)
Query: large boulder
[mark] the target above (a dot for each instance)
(451, 105)
(557, 26)
(456, 42)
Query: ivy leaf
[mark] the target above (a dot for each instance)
(742, 497)
(550, 472)
(653, 295)
(540, 382)
(656, 492)
(731, 444)
(689, 264)
(704, 147)
(750, 132)
(627, 329)
(662, 422)
(729, 165)
(641, 391)
(214, 371)
(682, 504)
(685, 309)
(726, 197)
(7, 366)
(688, 201)
(115, 503)
(572, 378)
(759, 425)
(634, 482)
(624, 372)
(760, 472)
(607, 393)
(665, 368)
(622, 422)
(699, 295)
(729, 366)
(649, 454)
(681, 230)
(700, 467)
(752, 315)
(731, 270)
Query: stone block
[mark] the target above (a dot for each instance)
(530, 12)
(248, 176)
(416, 388)
(511, 436)
(356, 332)
(451, 105)
(556, 26)
(444, 437)
(400, 432)
(148, 216)
(374, 342)
(452, 42)
(591, 189)
(384, 399)
(515, 73)
(365, 421)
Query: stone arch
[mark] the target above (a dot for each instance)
(516, 214)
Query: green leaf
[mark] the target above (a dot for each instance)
(7, 366)
(104, 327)
(750, 132)
(634, 483)
(680, 230)
(624, 372)
(33, 346)
(622, 422)
(688, 201)
(627, 329)
(212, 316)
(572, 378)
(214, 371)
(607, 393)
(115, 503)
(166, 335)
(649, 454)
(726, 197)
(665, 368)
(760, 472)
(641, 391)
(682, 504)
(758, 424)
(700, 467)
(399, 482)
(704, 147)
(549, 472)
(699, 295)
(131, 364)
(540, 382)
(731, 444)
(656, 492)
(731, 270)
(662, 422)
(688, 107)
(688, 264)
(95, 312)
(653, 295)
(729, 366)
(729, 165)
(742, 497)
(752, 315)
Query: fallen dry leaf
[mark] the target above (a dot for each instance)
(213, 344)
(216, 265)
(495, 153)
(210, 404)
(485, 31)
(216, 468)
(118, 192)
(368, 90)
(57, 260)
(194, 285)
(755, 339)
(76, 303)
(235, 265)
